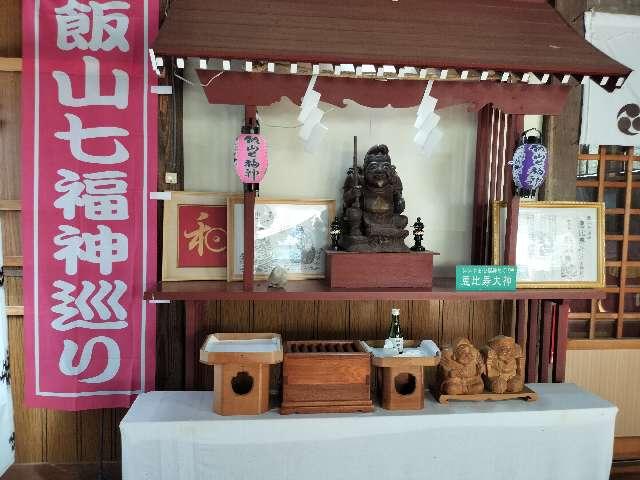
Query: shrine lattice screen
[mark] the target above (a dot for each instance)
(612, 176)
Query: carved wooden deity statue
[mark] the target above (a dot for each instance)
(460, 369)
(505, 365)
(373, 205)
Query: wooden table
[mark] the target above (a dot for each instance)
(567, 434)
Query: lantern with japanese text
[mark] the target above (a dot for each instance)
(250, 159)
(529, 163)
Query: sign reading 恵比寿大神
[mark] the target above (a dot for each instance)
(485, 277)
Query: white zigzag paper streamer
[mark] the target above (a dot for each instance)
(313, 130)
(428, 135)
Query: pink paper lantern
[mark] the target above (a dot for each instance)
(251, 158)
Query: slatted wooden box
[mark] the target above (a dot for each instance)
(241, 370)
(326, 376)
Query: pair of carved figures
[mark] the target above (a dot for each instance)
(499, 367)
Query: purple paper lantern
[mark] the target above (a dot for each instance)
(529, 163)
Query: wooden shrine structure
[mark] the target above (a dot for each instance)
(502, 58)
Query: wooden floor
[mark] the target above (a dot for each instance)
(624, 470)
(112, 471)
(77, 471)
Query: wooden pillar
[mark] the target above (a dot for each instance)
(250, 123)
(170, 317)
(521, 322)
(480, 193)
(249, 206)
(515, 127)
(194, 312)
(561, 132)
(514, 130)
(511, 233)
(547, 337)
(532, 342)
(562, 334)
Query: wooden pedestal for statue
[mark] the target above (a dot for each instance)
(400, 380)
(241, 376)
(526, 394)
(379, 270)
(326, 377)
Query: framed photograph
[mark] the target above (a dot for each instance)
(559, 244)
(195, 236)
(290, 233)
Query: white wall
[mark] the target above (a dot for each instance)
(439, 189)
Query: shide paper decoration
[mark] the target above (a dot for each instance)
(429, 135)
(251, 159)
(89, 159)
(312, 131)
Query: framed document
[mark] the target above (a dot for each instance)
(290, 233)
(194, 236)
(559, 244)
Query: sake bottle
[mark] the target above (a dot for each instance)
(395, 335)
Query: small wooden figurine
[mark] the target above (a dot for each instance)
(460, 369)
(505, 365)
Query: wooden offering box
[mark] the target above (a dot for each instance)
(400, 379)
(241, 363)
(326, 376)
(379, 270)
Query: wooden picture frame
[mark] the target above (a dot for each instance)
(172, 270)
(549, 231)
(320, 209)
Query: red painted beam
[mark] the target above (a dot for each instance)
(243, 88)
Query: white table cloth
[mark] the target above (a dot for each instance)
(566, 434)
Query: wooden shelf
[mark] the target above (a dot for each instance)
(443, 289)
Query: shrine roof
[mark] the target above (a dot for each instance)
(497, 35)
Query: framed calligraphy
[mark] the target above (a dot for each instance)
(559, 244)
(194, 245)
(292, 234)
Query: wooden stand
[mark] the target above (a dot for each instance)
(402, 388)
(241, 389)
(241, 379)
(526, 394)
(379, 270)
(401, 379)
(326, 377)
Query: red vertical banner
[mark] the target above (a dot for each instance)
(89, 159)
